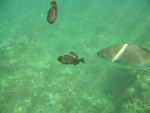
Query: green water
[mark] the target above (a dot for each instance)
(33, 81)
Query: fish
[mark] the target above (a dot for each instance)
(71, 58)
(126, 55)
(52, 13)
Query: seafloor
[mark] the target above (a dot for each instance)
(33, 81)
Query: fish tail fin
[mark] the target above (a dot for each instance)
(52, 2)
(82, 60)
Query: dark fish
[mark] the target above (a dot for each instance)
(52, 13)
(130, 56)
(72, 58)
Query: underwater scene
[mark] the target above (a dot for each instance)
(74, 56)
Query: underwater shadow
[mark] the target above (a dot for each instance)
(115, 84)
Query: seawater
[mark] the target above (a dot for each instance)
(33, 81)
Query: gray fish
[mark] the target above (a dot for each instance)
(52, 13)
(130, 56)
(72, 58)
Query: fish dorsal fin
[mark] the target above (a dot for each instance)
(72, 53)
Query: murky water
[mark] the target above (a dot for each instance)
(33, 81)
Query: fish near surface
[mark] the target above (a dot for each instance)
(52, 13)
(71, 58)
(130, 56)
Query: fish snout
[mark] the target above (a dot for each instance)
(59, 58)
(99, 53)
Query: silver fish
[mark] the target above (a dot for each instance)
(130, 56)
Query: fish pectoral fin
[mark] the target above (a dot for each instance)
(52, 13)
(72, 53)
